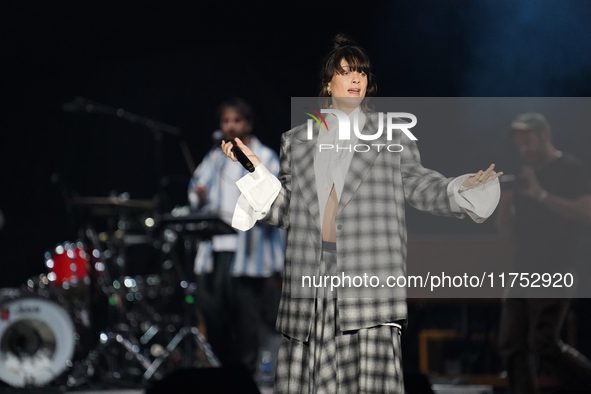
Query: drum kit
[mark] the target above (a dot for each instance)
(91, 318)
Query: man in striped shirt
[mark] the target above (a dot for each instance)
(234, 269)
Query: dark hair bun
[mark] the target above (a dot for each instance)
(341, 41)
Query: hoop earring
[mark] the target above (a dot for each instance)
(329, 93)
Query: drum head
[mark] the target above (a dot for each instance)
(36, 340)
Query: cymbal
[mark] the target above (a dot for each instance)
(106, 206)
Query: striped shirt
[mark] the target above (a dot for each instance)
(260, 251)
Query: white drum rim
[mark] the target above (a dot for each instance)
(57, 319)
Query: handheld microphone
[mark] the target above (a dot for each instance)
(246, 163)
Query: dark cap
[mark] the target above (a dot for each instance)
(530, 121)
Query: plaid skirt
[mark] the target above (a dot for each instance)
(363, 361)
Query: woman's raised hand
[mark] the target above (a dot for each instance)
(227, 148)
(481, 177)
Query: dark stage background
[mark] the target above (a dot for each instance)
(175, 61)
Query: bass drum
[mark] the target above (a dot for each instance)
(37, 339)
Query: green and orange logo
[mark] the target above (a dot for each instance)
(315, 117)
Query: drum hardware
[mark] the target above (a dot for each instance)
(37, 339)
(131, 313)
(156, 128)
(116, 349)
(137, 300)
(140, 327)
(77, 308)
(160, 353)
(135, 239)
(70, 268)
(190, 226)
(115, 205)
(165, 353)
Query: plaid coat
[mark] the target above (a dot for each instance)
(370, 224)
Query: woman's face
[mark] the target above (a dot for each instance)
(349, 83)
(233, 124)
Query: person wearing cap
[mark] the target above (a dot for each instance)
(544, 215)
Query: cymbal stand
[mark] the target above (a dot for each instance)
(190, 226)
(119, 326)
(183, 332)
(120, 334)
(189, 322)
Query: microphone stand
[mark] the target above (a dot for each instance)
(156, 128)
